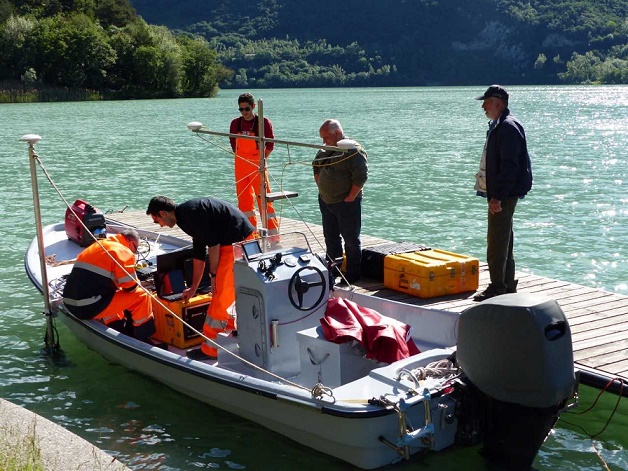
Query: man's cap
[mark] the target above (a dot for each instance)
(494, 91)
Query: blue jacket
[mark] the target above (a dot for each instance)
(508, 166)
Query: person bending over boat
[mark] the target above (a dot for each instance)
(103, 285)
(505, 176)
(340, 177)
(218, 225)
(247, 161)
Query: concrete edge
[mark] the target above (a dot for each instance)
(60, 449)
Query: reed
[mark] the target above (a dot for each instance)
(19, 451)
(15, 92)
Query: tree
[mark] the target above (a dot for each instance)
(6, 10)
(581, 68)
(540, 61)
(13, 36)
(114, 12)
(72, 52)
(201, 72)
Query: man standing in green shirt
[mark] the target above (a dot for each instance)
(340, 177)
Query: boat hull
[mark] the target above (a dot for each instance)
(350, 432)
(376, 414)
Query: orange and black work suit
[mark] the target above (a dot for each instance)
(100, 288)
(247, 175)
(215, 223)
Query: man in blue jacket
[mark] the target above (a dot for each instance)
(504, 178)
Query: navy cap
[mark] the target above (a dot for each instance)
(494, 91)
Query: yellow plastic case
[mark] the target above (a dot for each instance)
(431, 273)
(171, 330)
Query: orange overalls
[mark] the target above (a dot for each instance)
(247, 176)
(220, 315)
(98, 288)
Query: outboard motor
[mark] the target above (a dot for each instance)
(516, 350)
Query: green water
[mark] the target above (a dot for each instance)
(424, 146)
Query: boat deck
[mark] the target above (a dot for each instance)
(598, 318)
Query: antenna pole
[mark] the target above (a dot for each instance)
(263, 191)
(45, 289)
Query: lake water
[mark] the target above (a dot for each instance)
(424, 146)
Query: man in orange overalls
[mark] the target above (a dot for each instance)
(103, 284)
(214, 226)
(247, 161)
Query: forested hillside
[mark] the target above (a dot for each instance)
(279, 43)
(91, 49)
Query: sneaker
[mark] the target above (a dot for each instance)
(488, 293)
(198, 354)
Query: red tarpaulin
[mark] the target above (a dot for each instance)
(383, 338)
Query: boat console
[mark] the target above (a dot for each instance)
(281, 289)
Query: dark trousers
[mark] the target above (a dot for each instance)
(499, 245)
(343, 220)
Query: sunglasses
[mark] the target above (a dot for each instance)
(245, 109)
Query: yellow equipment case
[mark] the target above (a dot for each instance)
(171, 330)
(431, 273)
(373, 257)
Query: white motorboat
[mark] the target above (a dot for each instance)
(478, 376)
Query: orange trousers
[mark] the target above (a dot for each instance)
(221, 313)
(138, 302)
(248, 182)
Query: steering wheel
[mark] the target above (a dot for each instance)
(300, 286)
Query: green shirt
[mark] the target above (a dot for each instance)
(338, 171)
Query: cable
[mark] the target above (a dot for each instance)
(606, 424)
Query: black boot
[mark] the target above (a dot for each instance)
(511, 286)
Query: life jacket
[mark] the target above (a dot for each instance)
(95, 277)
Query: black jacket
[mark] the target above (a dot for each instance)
(508, 166)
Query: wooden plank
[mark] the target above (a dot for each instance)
(598, 320)
(590, 348)
(600, 328)
(600, 340)
(602, 355)
(608, 308)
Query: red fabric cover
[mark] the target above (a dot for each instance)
(383, 338)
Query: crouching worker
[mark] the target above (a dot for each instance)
(103, 285)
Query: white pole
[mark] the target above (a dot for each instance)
(33, 139)
(262, 167)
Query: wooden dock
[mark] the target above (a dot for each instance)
(598, 319)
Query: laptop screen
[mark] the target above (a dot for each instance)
(175, 272)
(172, 282)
